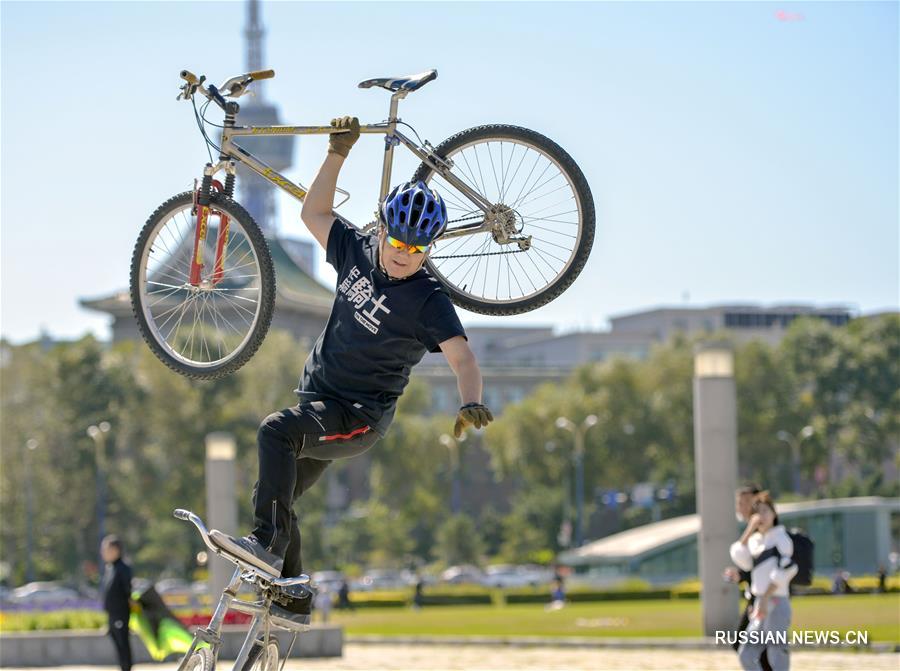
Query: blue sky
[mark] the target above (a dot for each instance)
(734, 156)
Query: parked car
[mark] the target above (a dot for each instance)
(458, 575)
(537, 574)
(507, 576)
(328, 580)
(45, 594)
(502, 576)
(413, 578)
(378, 579)
(173, 586)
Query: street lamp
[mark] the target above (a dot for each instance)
(30, 445)
(794, 443)
(452, 444)
(97, 433)
(578, 431)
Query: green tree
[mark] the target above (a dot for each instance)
(459, 541)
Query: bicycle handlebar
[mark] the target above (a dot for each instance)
(188, 516)
(234, 87)
(189, 77)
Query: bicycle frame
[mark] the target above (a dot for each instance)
(392, 138)
(211, 634)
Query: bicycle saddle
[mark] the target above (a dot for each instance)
(407, 83)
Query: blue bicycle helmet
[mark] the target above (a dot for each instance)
(414, 214)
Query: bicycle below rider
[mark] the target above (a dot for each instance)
(387, 313)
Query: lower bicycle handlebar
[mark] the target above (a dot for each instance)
(188, 516)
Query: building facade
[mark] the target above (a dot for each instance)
(852, 534)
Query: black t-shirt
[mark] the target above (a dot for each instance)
(378, 330)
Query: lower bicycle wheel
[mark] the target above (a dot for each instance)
(263, 657)
(200, 660)
(540, 224)
(209, 323)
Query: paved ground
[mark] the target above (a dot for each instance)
(360, 657)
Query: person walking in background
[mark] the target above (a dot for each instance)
(841, 583)
(767, 551)
(344, 597)
(115, 589)
(557, 594)
(419, 596)
(743, 509)
(323, 604)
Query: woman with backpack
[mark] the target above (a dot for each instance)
(767, 551)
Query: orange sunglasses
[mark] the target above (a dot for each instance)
(409, 249)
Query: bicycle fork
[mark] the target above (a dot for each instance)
(212, 633)
(203, 212)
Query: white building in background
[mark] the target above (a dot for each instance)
(515, 360)
(747, 322)
(852, 534)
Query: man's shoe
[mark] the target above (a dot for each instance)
(294, 609)
(250, 550)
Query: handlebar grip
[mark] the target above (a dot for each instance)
(182, 514)
(189, 77)
(261, 74)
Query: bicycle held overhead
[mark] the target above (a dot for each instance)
(520, 228)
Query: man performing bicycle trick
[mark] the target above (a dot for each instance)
(387, 313)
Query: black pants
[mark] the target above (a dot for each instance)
(118, 632)
(742, 625)
(295, 447)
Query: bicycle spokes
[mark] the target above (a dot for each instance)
(534, 221)
(202, 288)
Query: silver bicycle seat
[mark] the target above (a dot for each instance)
(407, 83)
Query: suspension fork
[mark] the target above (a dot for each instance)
(221, 243)
(203, 212)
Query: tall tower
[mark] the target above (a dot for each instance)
(258, 195)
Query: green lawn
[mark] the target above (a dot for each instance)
(877, 614)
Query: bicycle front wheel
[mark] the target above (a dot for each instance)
(203, 320)
(540, 227)
(263, 657)
(200, 660)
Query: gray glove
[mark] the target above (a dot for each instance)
(472, 414)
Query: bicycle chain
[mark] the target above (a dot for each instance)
(460, 256)
(464, 256)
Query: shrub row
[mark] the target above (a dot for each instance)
(585, 596)
(373, 600)
(60, 619)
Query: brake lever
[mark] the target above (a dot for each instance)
(235, 87)
(189, 89)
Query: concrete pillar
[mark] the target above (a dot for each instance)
(883, 536)
(221, 503)
(715, 469)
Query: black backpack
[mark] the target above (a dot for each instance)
(803, 557)
(804, 548)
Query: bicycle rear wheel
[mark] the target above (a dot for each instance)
(542, 220)
(207, 325)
